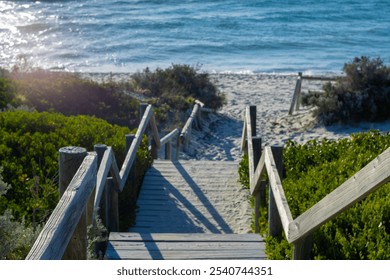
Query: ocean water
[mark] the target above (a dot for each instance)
(271, 36)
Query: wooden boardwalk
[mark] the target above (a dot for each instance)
(188, 210)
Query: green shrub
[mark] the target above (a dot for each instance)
(171, 91)
(6, 92)
(69, 94)
(315, 169)
(174, 89)
(29, 144)
(363, 94)
(16, 238)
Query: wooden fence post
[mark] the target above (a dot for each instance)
(100, 246)
(256, 157)
(112, 205)
(297, 95)
(100, 149)
(302, 248)
(168, 150)
(177, 147)
(275, 227)
(70, 159)
(252, 111)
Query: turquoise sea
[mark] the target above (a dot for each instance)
(271, 36)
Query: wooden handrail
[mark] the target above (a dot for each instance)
(298, 230)
(277, 190)
(58, 230)
(185, 135)
(365, 181)
(174, 133)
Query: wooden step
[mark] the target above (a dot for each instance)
(189, 246)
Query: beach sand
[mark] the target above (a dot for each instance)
(272, 95)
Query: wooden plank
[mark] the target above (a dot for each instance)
(187, 127)
(127, 245)
(359, 186)
(131, 154)
(255, 182)
(320, 78)
(243, 137)
(186, 255)
(206, 237)
(102, 174)
(277, 189)
(55, 235)
(189, 245)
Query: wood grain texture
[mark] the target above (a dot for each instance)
(54, 237)
(277, 189)
(164, 246)
(131, 154)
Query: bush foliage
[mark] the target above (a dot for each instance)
(315, 169)
(171, 91)
(362, 94)
(29, 144)
(69, 94)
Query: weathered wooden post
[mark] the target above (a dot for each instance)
(302, 248)
(70, 159)
(100, 149)
(252, 112)
(168, 151)
(112, 206)
(275, 227)
(256, 157)
(297, 95)
(101, 210)
(178, 146)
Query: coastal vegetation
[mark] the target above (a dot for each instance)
(42, 111)
(313, 170)
(29, 145)
(171, 91)
(362, 94)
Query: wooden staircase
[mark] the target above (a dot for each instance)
(190, 210)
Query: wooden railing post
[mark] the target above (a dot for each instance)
(275, 227)
(302, 248)
(100, 149)
(177, 147)
(252, 110)
(70, 159)
(112, 206)
(295, 103)
(99, 246)
(299, 94)
(168, 150)
(256, 157)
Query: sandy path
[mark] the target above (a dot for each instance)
(272, 94)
